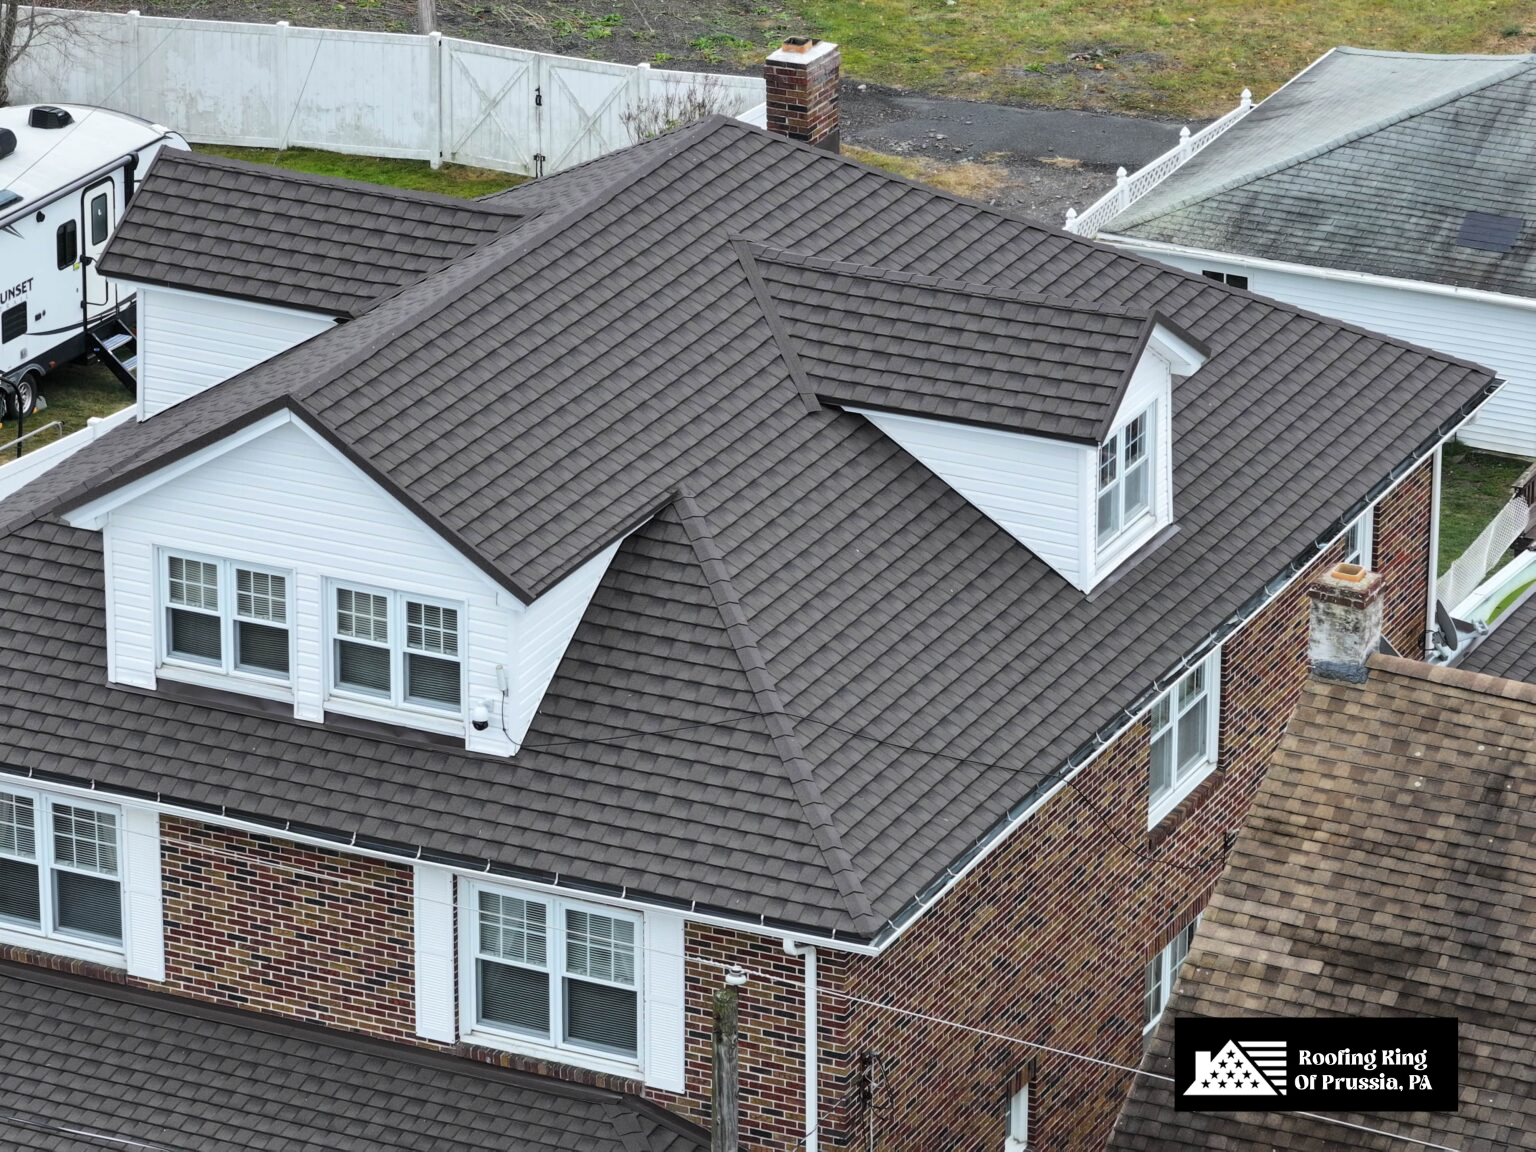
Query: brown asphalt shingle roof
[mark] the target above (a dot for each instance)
(90, 1065)
(1386, 867)
(208, 224)
(585, 374)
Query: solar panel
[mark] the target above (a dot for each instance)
(1488, 232)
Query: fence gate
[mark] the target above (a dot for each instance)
(490, 111)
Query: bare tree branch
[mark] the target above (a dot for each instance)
(675, 107)
(24, 27)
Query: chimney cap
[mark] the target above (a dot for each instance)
(801, 50)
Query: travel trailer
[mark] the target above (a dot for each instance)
(66, 174)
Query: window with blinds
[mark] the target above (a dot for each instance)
(227, 617)
(60, 868)
(560, 974)
(397, 648)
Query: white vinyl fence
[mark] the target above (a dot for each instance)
(369, 93)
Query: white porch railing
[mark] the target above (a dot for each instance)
(1129, 189)
(17, 473)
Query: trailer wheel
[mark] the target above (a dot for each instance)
(25, 398)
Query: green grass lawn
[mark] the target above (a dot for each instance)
(449, 180)
(1172, 57)
(73, 393)
(1474, 486)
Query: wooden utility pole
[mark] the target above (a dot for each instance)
(725, 1134)
(426, 17)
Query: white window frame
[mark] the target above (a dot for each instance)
(1167, 969)
(472, 1028)
(196, 671)
(1128, 529)
(1159, 806)
(378, 705)
(1360, 539)
(1017, 1137)
(46, 937)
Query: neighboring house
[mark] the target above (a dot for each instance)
(1383, 870)
(731, 555)
(1391, 190)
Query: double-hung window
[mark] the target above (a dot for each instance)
(1184, 724)
(1125, 477)
(397, 648)
(60, 868)
(555, 973)
(1358, 540)
(1161, 971)
(226, 617)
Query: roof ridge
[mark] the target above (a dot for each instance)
(1131, 219)
(781, 729)
(171, 156)
(790, 258)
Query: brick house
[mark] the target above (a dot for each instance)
(498, 620)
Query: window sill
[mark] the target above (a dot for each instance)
(102, 954)
(481, 1037)
(402, 716)
(240, 682)
(1167, 805)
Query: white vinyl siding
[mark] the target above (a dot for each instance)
(1500, 337)
(287, 503)
(1032, 487)
(1185, 727)
(189, 342)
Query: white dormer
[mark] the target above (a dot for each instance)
(1085, 509)
(268, 564)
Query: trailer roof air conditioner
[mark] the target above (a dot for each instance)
(47, 116)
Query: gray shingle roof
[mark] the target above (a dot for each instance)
(208, 224)
(871, 338)
(1387, 867)
(562, 384)
(1370, 162)
(90, 1065)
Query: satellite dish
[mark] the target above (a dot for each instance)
(1443, 621)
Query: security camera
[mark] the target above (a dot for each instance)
(480, 716)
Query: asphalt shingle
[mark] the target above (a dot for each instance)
(540, 397)
(91, 1065)
(1386, 867)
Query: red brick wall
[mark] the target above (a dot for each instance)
(1047, 939)
(277, 927)
(802, 99)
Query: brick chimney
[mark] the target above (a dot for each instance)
(1345, 625)
(802, 91)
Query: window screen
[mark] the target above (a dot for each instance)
(362, 639)
(600, 1002)
(68, 242)
(432, 649)
(261, 618)
(513, 968)
(13, 322)
(194, 630)
(19, 894)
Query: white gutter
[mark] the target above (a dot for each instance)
(1478, 295)
(1434, 556)
(280, 830)
(812, 1055)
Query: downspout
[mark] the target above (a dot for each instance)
(1434, 551)
(812, 1104)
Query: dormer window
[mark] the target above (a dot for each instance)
(396, 649)
(1125, 477)
(226, 617)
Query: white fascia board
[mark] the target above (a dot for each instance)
(92, 514)
(1182, 357)
(281, 831)
(1155, 247)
